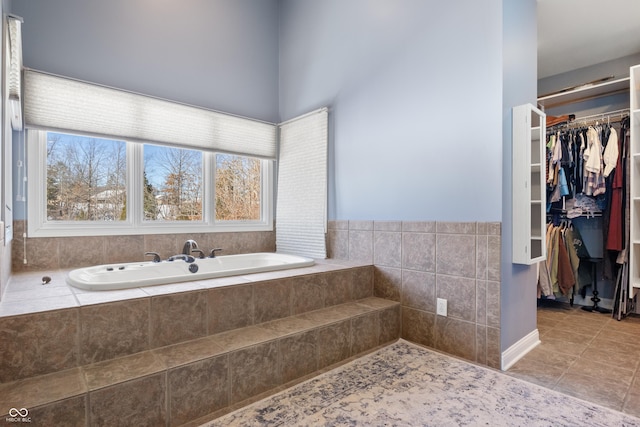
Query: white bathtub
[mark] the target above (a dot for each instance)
(139, 274)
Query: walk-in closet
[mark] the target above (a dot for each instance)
(589, 273)
(587, 177)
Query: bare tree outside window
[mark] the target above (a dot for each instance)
(238, 188)
(174, 177)
(87, 181)
(86, 178)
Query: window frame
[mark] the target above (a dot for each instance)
(39, 226)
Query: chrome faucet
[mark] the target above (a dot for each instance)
(189, 246)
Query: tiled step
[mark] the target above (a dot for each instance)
(178, 383)
(104, 325)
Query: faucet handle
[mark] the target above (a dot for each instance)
(155, 255)
(213, 252)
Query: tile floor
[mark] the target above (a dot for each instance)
(585, 354)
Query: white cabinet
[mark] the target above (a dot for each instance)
(634, 152)
(529, 191)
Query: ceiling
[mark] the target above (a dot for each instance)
(577, 33)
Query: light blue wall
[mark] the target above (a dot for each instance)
(415, 91)
(219, 54)
(518, 294)
(414, 86)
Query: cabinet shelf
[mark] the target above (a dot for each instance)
(584, 93)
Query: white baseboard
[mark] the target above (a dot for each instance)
(514, 353)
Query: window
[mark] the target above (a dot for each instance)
(172, 187)
(85, 185)
(238, 183)
(171, 157)
(86, 179)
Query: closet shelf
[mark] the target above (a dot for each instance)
(584, 93)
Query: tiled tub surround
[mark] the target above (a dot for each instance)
(417, 262)
(54, 253)
(167, 355)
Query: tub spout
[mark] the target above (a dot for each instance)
(189, 245)
(185, 258)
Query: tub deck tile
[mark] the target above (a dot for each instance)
(351, 309)
(173, 288)
(221, 282)
(188, 352)
(336, 313)
(290, 325)
(244, 337)
(32, 281)
(44, 291)
(43, 389)
(110, 372)
(376, 303)
(36, 305)
(325, 316)
(100, 297)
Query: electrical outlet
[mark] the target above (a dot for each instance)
(442, 307)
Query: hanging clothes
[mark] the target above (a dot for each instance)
(579, 144)
(558, 273)
(572, 252)
(615, 235)
(593, 164)
(610, 156)
(566, 279)
(587, 176)
(552, 255)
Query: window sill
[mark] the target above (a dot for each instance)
(75, 230)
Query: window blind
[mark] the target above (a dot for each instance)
(54, 102)
(301, 210)
(14, 72)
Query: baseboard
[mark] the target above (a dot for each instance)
(514, 353)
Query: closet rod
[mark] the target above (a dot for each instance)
(563, 215)
(600, 118)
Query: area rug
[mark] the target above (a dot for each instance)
(407, 385)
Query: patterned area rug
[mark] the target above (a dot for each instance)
(407, 385)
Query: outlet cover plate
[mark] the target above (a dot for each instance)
(441, 309)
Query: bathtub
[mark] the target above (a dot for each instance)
(139, 274)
